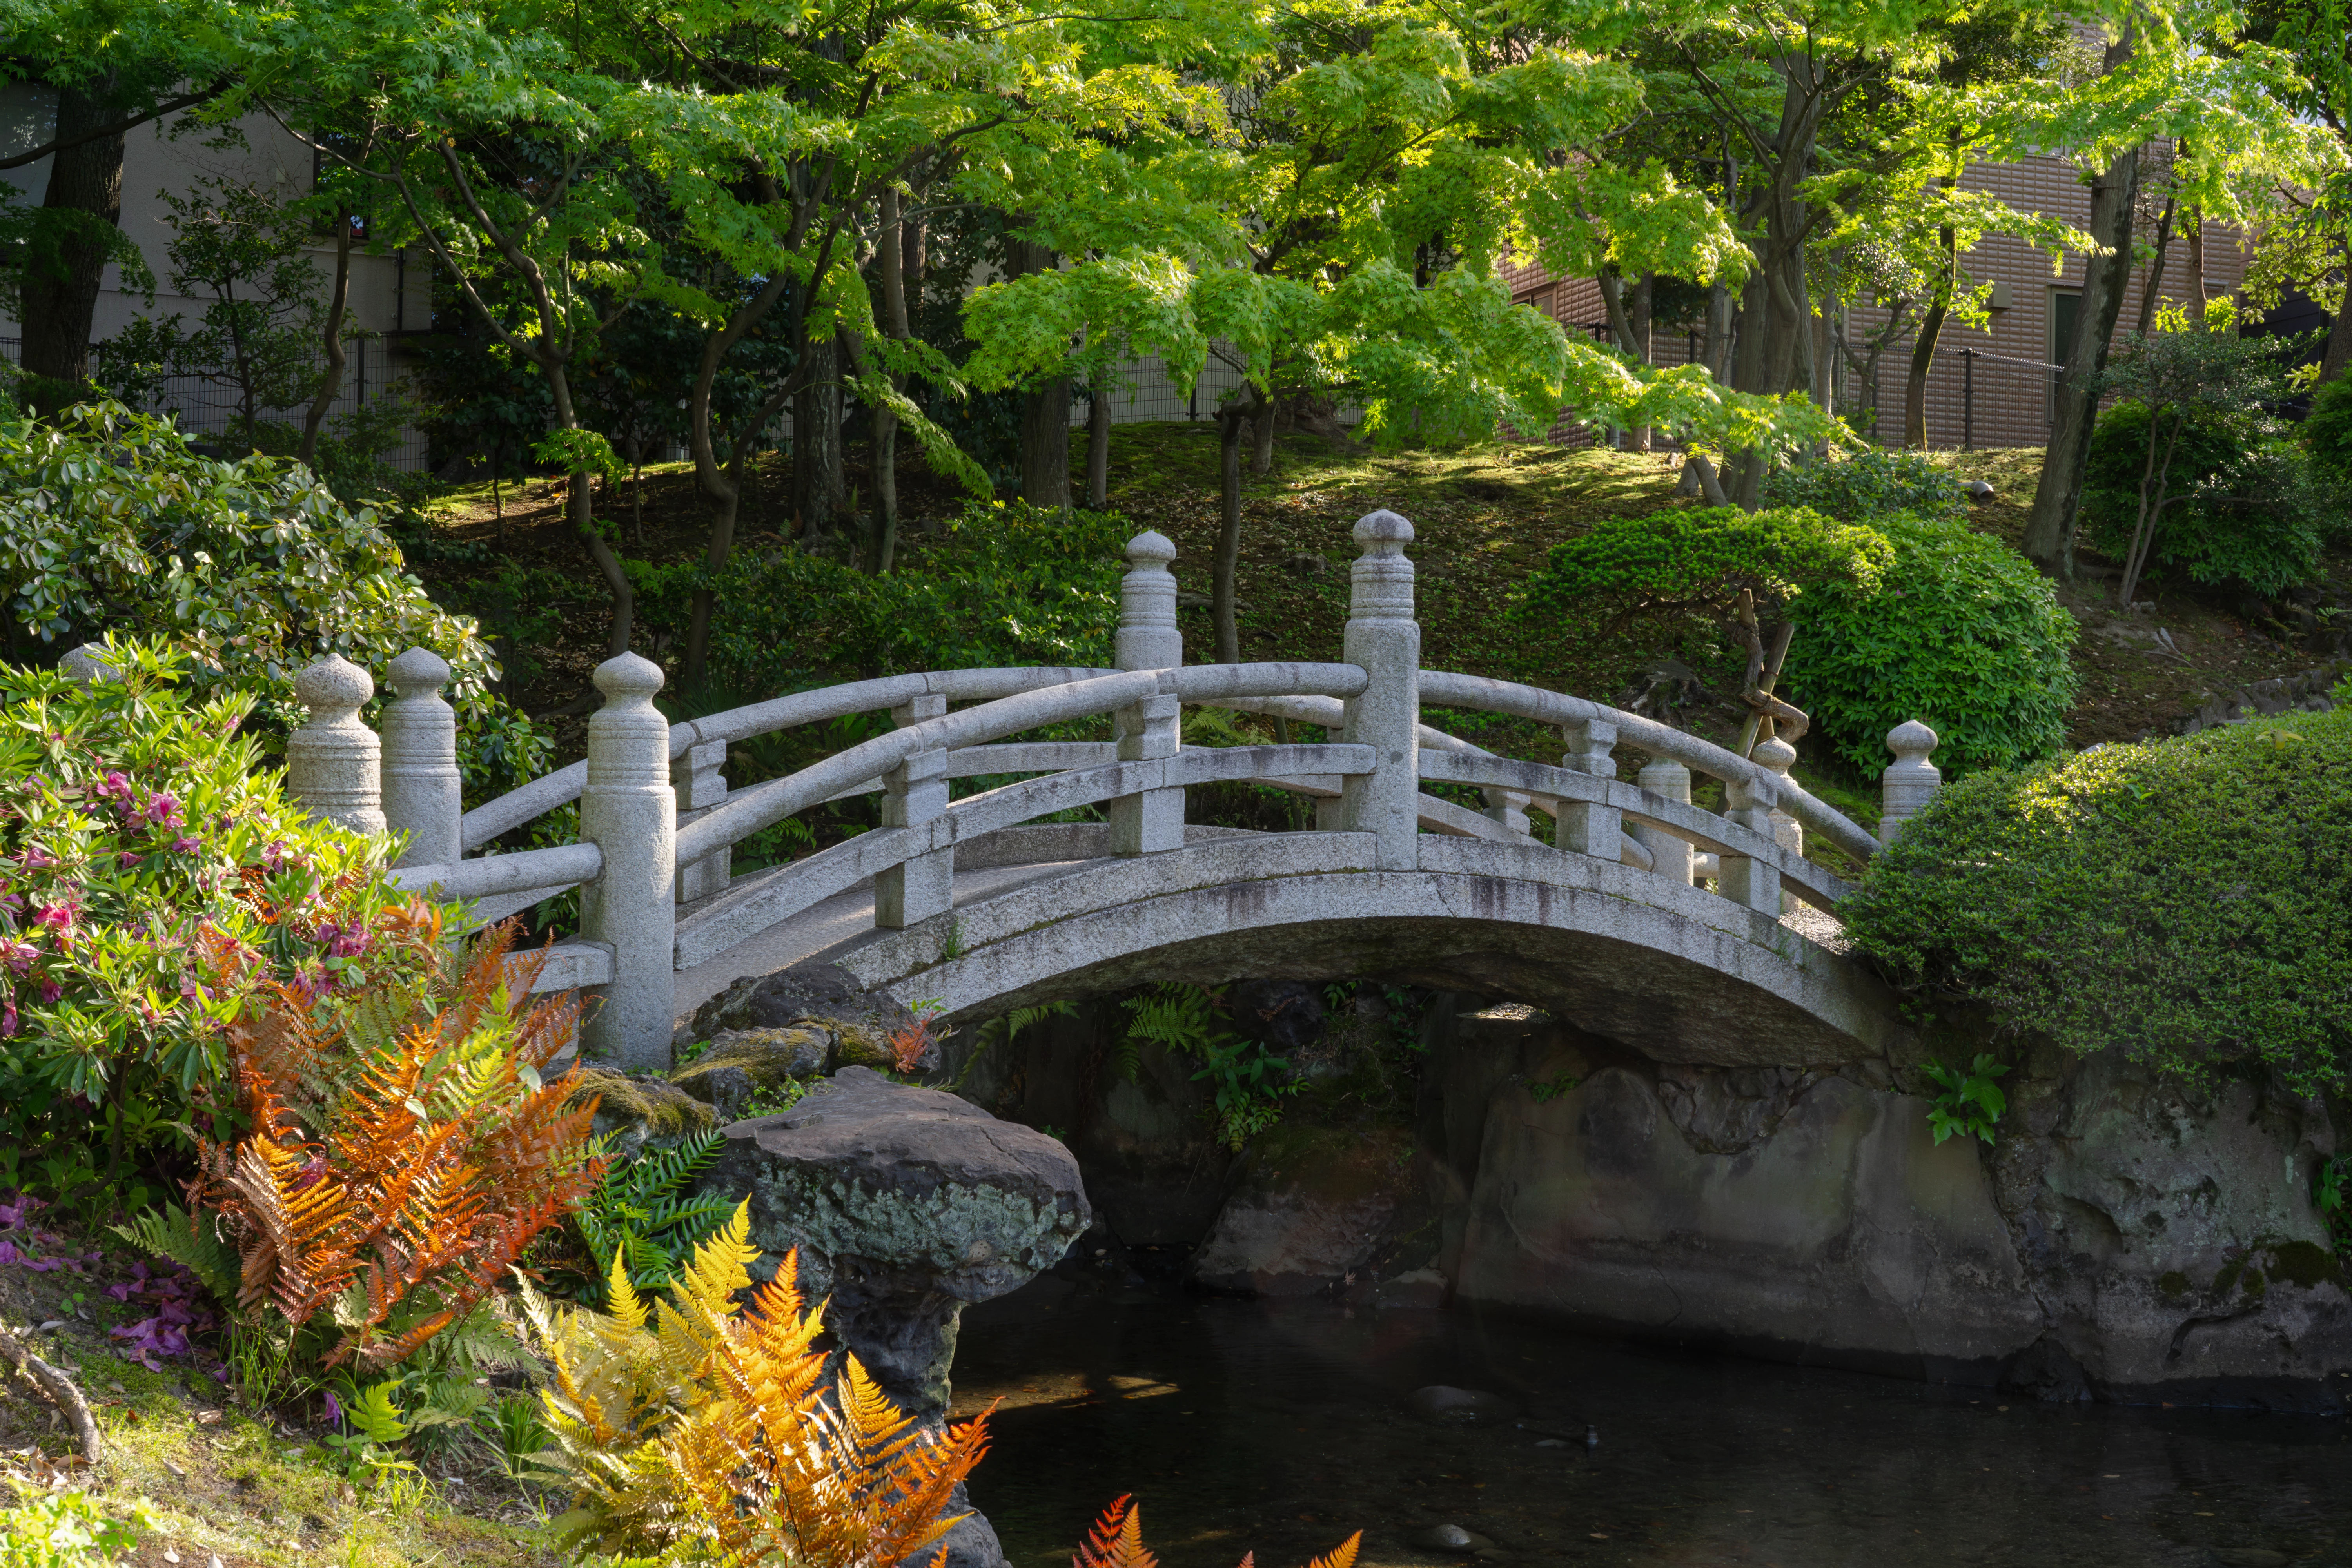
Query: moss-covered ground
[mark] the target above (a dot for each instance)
(253, 1487)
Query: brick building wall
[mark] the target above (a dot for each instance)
(2010, 402)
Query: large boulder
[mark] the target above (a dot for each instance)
(905, 1205)
(814, 996)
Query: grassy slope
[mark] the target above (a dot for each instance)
(1483, 519)
(221, 1482)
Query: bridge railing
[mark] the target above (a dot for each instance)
(657, 821)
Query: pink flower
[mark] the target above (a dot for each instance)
(35, 857)
(57, 916)
(50, 992)
(128, 858)
(184, 844)
(8, 1015)
(17, 955)
(164, 811)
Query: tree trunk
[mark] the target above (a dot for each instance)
(581, 504)
(890, 268)
(330, 339)
(2339, 352)
(819, 495)
(2155, 282)
(1716, 351)
(1231, 420)
(2049, 538)
(1923, 360)
(59, 298)
(2197, 292)
(1261, 436)
(1044, 408)
(1099, 448)
(1644, 294)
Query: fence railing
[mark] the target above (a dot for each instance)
(658, 823)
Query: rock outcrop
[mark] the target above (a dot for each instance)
(905, 1205)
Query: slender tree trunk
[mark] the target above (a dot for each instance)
(1231, 421)
(59, 292)
(890, 268)
(819, 493)
(581, 504)
(330, 339)
(1716, 349)
(2049, 538)
(2197, 292)
(2143, 529)
(1923, 347)
(2339, 352)
(1044, 408)
(1261, 436)
(1644, 296)
(1099, 445)
(2155, 282)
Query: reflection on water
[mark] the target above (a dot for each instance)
(1278, 1428)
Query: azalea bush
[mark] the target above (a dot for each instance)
(111, 523)
(154, 879)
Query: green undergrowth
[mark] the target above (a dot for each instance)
(212, 1479)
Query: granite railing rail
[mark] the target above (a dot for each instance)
(658, 822)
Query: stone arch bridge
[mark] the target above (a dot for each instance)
(1690, 934)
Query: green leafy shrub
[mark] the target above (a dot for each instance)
(1651, 574)
(2241, 502)
(1009, 584)
(2185, 902)
(109, 522)
(1968, 1102)
(2327, 431)
(1964, 633)
(156, 879)
(65, 1529)
(1250, 1080)
(1872, 483)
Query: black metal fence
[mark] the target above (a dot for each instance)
(208, 407)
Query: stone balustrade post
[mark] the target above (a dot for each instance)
(1587, 828)
(628, 810)
(423, 794)
(1150, 820)
(1910, 782)
(1778, 756)
(1384, 640)
(1750, 883)
(87, 665)
(701, 787)
(1506, 806)
(916, 792)
(333, 762)
(1670, 857)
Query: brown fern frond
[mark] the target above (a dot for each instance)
(1342, 1556)
(1117, 1539)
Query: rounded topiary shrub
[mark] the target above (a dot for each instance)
(2187, 903)
(1962, 633)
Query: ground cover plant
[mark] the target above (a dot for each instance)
(2182, 902)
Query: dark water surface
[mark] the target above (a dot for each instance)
(1279, 1428)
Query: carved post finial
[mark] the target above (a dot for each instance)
(1147, 638)
(423, 795)
(629, 811)
(1383, 639)
(1910, 782)
(333, 762)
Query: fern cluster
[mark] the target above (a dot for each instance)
(643, 1214)
(1251, 1082)
(1117, 1541)
(404, 1151)
(720, 1437)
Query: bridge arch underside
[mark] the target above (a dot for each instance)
(1675, 973)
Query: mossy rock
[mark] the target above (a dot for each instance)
(741, 1063)
(637, 1110)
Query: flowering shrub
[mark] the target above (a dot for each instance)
(153, 877)
(109, 522)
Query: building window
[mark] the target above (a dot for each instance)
(2066, 305)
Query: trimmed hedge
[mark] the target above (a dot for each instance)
(2187, 903)
(1965, 634)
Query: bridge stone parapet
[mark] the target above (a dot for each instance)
(1631, 908)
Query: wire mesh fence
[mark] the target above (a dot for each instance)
(208, 407)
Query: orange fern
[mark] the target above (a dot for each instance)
(403, 1153)
(1117, 1541)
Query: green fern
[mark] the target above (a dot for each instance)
(196, 1247)
(643, 1212)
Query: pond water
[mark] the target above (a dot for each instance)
(1280, 1427)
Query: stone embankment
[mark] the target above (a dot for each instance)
(2124, 1238)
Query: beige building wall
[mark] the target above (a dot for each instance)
(390, 294)
(2011, 400)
